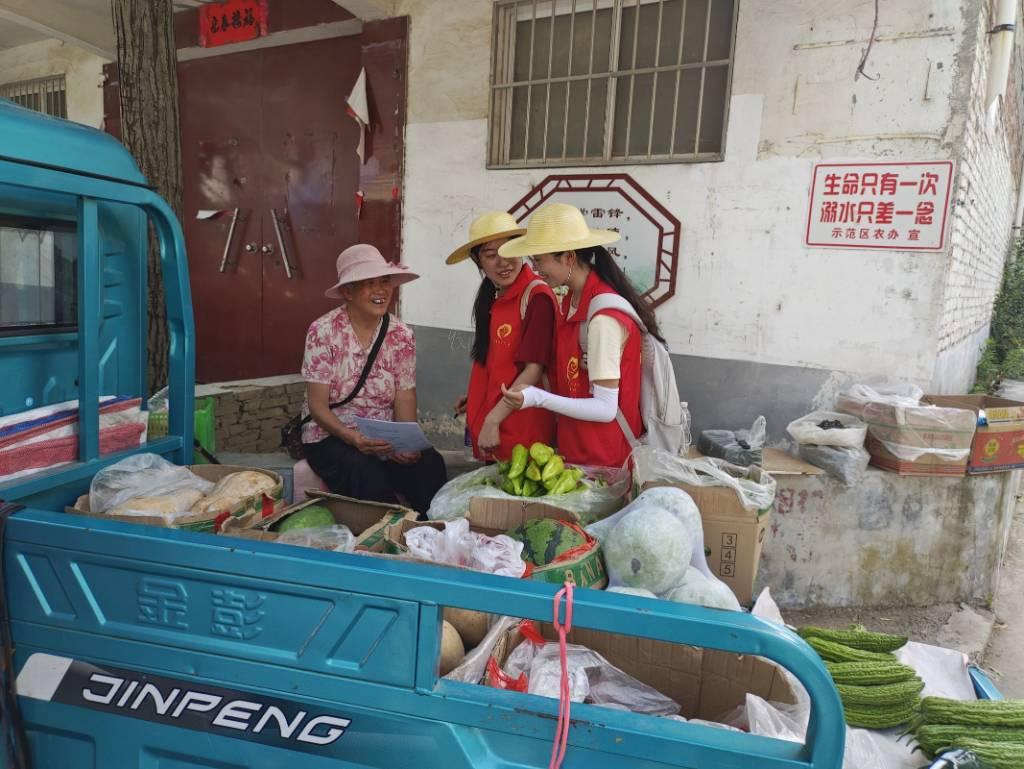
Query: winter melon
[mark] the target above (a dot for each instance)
(306, 518)
(649, 548)
(546, 539)
(452, 649)
(472, 626)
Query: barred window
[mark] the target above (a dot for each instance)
(596, 82)
(45, 94)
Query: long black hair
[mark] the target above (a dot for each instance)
(482, 305)
(600, 261)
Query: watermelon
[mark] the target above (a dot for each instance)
(546, 539)
(306, 518)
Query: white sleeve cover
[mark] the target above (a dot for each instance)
(601, 408)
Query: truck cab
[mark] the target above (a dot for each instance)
(140, 646)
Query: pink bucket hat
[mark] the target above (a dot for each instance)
(363, 262)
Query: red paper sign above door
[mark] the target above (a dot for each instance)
(232, 21)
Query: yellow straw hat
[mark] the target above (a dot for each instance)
(492, 225)
(556, 228)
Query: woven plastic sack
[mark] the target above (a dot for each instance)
(756, 491)
(806, 431)
(452, 501)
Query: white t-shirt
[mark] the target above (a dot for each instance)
(606, 341)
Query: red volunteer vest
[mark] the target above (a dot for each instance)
(506, 328)
(595, 443)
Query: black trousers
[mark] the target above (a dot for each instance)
(348, 471)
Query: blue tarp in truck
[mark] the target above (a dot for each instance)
(116, 657)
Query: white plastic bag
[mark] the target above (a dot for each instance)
(704, 591)
(805, 430)
(592, 679)
(473, 666)
(452, 500)
(338, 538)
(853, 400)
(143, 476)
(912, 432)
(458, 546)
(657, 466)
(1012, 389)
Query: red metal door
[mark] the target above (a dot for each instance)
(222, 154)
(266, 131)
(310, 178)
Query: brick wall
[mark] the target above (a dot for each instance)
(984, 197)
(250, 415)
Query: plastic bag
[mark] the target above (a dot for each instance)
(805, 430)
(653, 541)
(458, 546)
(1012, 389)
(654, 465)
(853, 400)
(742, 447)
(338, 538)
(452, 501)
(145, 475)
(474, 665)
(846, 465)
(703, 591)
(912, 432)
(592, 679)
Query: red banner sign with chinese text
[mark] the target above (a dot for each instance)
(898, 206)
(232, 21)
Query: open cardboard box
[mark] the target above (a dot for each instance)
(244, 514)
(999, 444)
(360, 516)
(496, 516)
(706, 683)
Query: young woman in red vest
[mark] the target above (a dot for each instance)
(589, 391)
(514, 315)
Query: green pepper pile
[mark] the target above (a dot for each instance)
(538, 471)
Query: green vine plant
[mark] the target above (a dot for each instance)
(1003, 356)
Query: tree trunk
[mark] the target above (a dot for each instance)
(148, 73)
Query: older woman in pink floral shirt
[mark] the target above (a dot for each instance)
(338, 345)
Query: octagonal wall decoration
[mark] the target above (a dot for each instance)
(649, 249)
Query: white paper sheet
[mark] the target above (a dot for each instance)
(404, 437)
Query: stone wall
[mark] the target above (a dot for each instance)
(250, 414)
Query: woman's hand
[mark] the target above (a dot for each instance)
(405, 458)
(490, 437)
(460, 405)
(366, 445)
(513, 398)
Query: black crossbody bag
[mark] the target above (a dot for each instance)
(291, 433)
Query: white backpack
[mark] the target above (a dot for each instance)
(660, 407)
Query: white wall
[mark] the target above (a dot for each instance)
(82, 70)
(747, 288)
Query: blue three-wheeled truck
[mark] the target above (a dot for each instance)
(113, 658)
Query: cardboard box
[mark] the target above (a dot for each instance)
(247, 513)
(733, 535)
(358, 515)
(706, 683)
(496, 516)
(998, 445)
(918, 429)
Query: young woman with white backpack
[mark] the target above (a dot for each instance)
(607, 335)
